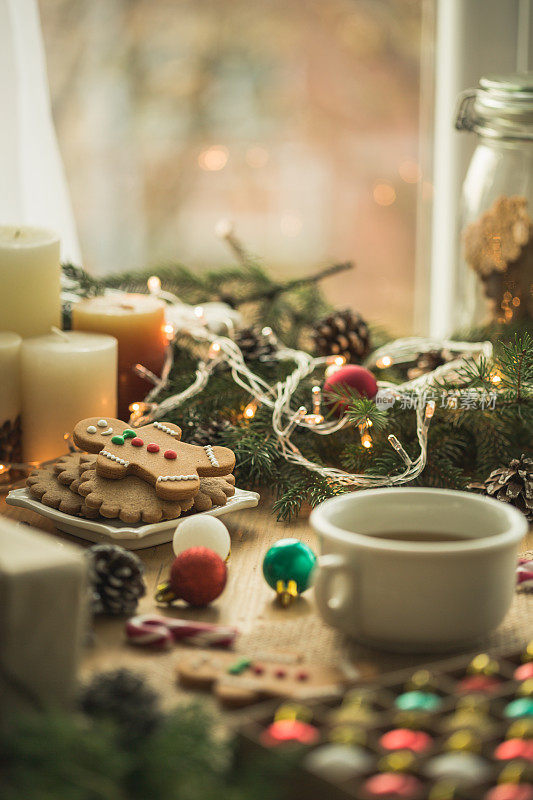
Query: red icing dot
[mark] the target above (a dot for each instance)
(153, 448)
(258, 669)
(280, 673)
(302, 675)
(137, 442)
(171, 454)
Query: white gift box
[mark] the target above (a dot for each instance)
(42, 618)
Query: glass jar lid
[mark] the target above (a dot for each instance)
(500, 107)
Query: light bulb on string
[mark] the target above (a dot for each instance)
(384, 362)
(430, 410)
(250, 409)
(169, 331)
(214, 350)
(199, 313)
(154, 284)
(400, 450)
(316, 417)
(269, 334)
(366, 440)
(334, 364)
(297, 417)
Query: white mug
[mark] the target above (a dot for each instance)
(416, 595)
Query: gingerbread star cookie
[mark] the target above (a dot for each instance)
(44, 485)
(130, 499)
(154, 453)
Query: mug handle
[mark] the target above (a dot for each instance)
(332, 607)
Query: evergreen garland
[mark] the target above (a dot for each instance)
(59, 756)
(464, 444)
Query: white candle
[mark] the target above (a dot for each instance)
(9, 397)
(29, 280)
(65, 377)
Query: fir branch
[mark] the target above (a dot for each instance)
(272, 292)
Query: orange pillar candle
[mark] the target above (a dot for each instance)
(137, 321)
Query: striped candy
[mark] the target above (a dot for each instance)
(159, 632)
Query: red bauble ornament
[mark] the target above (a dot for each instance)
(353, 377)
(198, 576)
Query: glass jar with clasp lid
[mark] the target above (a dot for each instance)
(495, 267)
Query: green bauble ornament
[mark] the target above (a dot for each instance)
(288, 567)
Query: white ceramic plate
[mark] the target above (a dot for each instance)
(132, 537)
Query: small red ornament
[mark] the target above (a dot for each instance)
(354, 377)
(393, 785)
(514, 748)
(198, 576)
(137, 442)
(153, 448)
(170, 454)
(510, 791)
(484, 684)
(406, 739)
(524, 671)
(283, 731)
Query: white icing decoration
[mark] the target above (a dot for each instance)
(102, 423)
(108, 432)
(91, 429)
(112, 457)
(165, 429)
(177, 478)
(211, 456)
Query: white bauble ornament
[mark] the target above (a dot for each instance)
(202, 531)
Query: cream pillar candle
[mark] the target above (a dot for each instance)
(65, 377)
(9, 398)
(138, 322)
(29, 280)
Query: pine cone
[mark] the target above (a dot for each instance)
(116, 579)
(254, 345)
(342, 333)
(10, 441)
(427, 362)
(210, 433)
(125, 698)
(512, 484)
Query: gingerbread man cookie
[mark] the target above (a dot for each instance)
(130, 499)
(44, 485)
(214, 492)
(154, 453)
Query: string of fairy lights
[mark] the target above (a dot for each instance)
(278, 397)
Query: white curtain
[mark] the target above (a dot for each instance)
(33, 189)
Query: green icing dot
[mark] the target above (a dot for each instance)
(128, 433)
(117, 440)
(418, 701)
(523, 707)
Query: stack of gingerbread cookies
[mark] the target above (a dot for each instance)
(144, 474)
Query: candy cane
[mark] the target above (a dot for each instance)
(159, 632)
(524, 574)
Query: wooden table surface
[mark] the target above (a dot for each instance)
(247, 603)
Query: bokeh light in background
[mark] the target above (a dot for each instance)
(297, 120)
